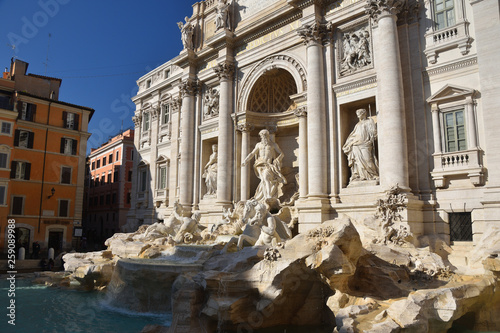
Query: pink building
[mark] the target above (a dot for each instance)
(108, 187)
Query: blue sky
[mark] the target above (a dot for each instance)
(98, 48)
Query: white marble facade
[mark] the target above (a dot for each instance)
(426, 73)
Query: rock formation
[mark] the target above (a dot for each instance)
(331, 277)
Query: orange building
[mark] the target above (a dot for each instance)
(43, 142)
(109, 185)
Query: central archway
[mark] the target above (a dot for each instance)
(271, 93)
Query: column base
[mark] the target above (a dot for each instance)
(212, 210)
(312, 212)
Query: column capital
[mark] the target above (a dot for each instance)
(225, 71)
(155, 111)
(300, 112)
(313, 33)
(137, 120)
(245, 127)
(189, 87)
(176, 104)
(380, 8)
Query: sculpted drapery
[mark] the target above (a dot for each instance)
(267, 167)
(359, 148)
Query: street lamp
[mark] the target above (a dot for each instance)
(53, 190)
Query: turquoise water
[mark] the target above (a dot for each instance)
(40, 309)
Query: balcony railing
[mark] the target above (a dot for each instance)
(466, 162)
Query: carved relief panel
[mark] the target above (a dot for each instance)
(211, 103)
(355, 48)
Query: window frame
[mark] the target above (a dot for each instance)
(70, 174)
(4, 122)
(5, 187)
(444, 129)
(12, 200)
(68, 208)
(4, 149)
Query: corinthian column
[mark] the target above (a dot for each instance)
(225, 72)
(301, 113)
(186, 172)
(316, 124)
(245, 150)
(391, 117)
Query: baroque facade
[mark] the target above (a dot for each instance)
(424, 72)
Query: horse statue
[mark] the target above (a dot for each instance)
(260, 227)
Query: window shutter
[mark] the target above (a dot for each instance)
(16, 138)
(27, 171)
(76, 121)
(31, 138)
(74, 147)
(63, 140)
(65, 119)
(33, 112)
(19, 109)
(13, 167)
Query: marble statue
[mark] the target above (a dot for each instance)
(187, 30)
(260, 227)
(222, 14)
(211, 103)
(167, 227)
(210, 173)
(360, 149)
(188, 229)
(267, 167)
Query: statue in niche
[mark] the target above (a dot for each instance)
(211, 105)
(210, 173)
(356, 51)
(222, 15)
(267, 167)
(187, 30)
(360, 149)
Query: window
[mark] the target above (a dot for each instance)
(109, 177)
(167, 73)
(108, 199)
(115, 176)
(17, 205)
(104, 161)
(26, 111)
(93, 166)
(96, 181)
(148, 84)
(143, 178)
(165, 118)
(20, 170)
(6, 101)
(130, 175)
(113, 198)
(4, 160)
(98, 164)
(96, 199)
(6, 128)
(65, 175)
(460, 227)
(456, 147)
(131, 155)
(162, 179)
(117, 154)
(454, 124)
(68, 146)
(103, 179)
(101, 200)
(110, 158)
(444, 13)
(24, 139)
(3, 195)
(71, 120)
(145, 122)
(129, 197)
(63, 208)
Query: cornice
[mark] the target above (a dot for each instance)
(450, 67)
